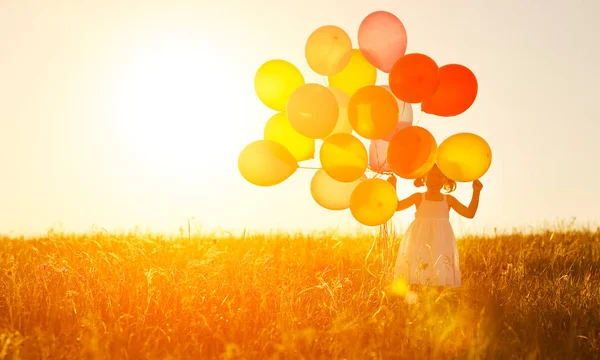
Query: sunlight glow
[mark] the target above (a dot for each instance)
(161, 102)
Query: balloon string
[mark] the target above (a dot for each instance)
(368, 170)
(419, 119)
(402, 111)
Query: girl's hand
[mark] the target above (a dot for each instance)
(477, 185)
(392, 180)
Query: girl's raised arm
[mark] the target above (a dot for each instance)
(404, 203)
(408, 202)
(468, 212)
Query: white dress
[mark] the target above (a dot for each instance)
(428, 253)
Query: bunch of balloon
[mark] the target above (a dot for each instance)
(352, 108)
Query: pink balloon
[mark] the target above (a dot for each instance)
(406, 115)
(382, 39)
(400, 126)
(378, 156)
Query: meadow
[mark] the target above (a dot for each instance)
(295, 296)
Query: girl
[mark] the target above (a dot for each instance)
(428, 253)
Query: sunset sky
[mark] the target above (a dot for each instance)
(124, 113)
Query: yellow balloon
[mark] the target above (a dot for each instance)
(343, 124)
(328, 50)
(330, 193)
(275, 81)
(373, 112)
(373, 202)
(464, 157)
(313, 111)
(278, 129)
(344, 157)
(266, 163)
(357, 74)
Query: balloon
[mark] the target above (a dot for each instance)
(373, 112)
(412, 152)
(401, 125)
(373, 202)
(275, 81)
(464, 157)
(328, 50)
(313, 111)
(266, 163)
(357, 74)
(343, 157)
(343, 124)
(382, 39)
(278, 129)
(414, 78)
(455, 94)
(330, 193)
(406, 115)
(378, 156)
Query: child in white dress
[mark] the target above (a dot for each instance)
(428, 253)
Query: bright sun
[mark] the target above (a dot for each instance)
(165, 104)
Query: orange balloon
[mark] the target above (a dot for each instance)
(328, 50)
(382, 39)
(313, 111)
(414, 78)
(412, 152)
(373, 112)
(343, 125)
(455, 94)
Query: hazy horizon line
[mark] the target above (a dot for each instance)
(196, 230)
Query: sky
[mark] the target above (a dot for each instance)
(125, 114)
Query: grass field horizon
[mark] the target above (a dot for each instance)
(190, 227)
(132, 295)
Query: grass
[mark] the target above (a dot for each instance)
(135, 296)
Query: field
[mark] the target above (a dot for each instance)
(320, 296)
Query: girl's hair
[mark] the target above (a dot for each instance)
(449, 186)
(419, 182)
